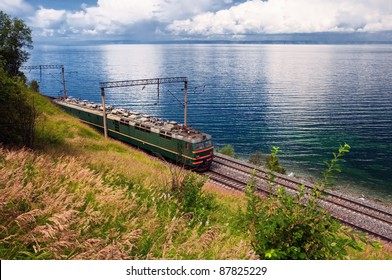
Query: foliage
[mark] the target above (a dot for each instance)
(257, 158)
(34, 86)
(192, 199)
(295, 226)
(272, 161)
(17, 115)
(333, 167)
(15, 38)
(227, 150)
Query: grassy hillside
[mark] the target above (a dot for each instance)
(80, 196)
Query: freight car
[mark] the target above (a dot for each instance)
(178, 143)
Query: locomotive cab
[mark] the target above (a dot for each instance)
(202, 154)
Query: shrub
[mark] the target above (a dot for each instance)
(257, 158)
(227, 150)
(272, 161)
(34, 86)
(289, 226)
(17, 115)
(192, 199)
(269, 161)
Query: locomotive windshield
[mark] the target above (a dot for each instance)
(203, 145)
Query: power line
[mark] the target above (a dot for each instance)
(41, 67)
(143, 82)
(50, 66)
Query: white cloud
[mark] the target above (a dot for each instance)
(117, 17)
(15, 7)
(236, 18)
(45, 18)
(283, 16)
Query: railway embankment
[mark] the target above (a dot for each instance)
(77, 195)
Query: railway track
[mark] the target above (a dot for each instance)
(362, 215)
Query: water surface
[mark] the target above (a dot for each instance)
(305, 99)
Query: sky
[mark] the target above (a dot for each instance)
(167, 20)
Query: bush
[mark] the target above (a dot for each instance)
(257, 158)
(192, 199)
(272, 161)
(34, 86)
(17, 115)
(269, 161)
(289, 226)
(227, 150)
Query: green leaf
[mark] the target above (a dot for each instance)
(270, 254)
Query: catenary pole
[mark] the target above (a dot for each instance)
(105, 128)
(185, 102)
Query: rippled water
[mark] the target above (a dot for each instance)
(306, 99)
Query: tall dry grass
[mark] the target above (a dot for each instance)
(61, 208)
(56, 209)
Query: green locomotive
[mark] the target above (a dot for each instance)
(175, 142)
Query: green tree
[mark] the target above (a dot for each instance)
(17, 115)
(15, 39)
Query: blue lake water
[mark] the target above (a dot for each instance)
(305, 99)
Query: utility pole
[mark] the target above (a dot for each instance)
(105, 128)
(63, 76)
(185, 102)
(158, 91)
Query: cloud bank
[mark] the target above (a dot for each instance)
(176, 19)
(15, 7)
(117, 17)
(283, 16)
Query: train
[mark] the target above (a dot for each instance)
(175, 142)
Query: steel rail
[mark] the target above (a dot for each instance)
(222, 172)
(280, 179)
